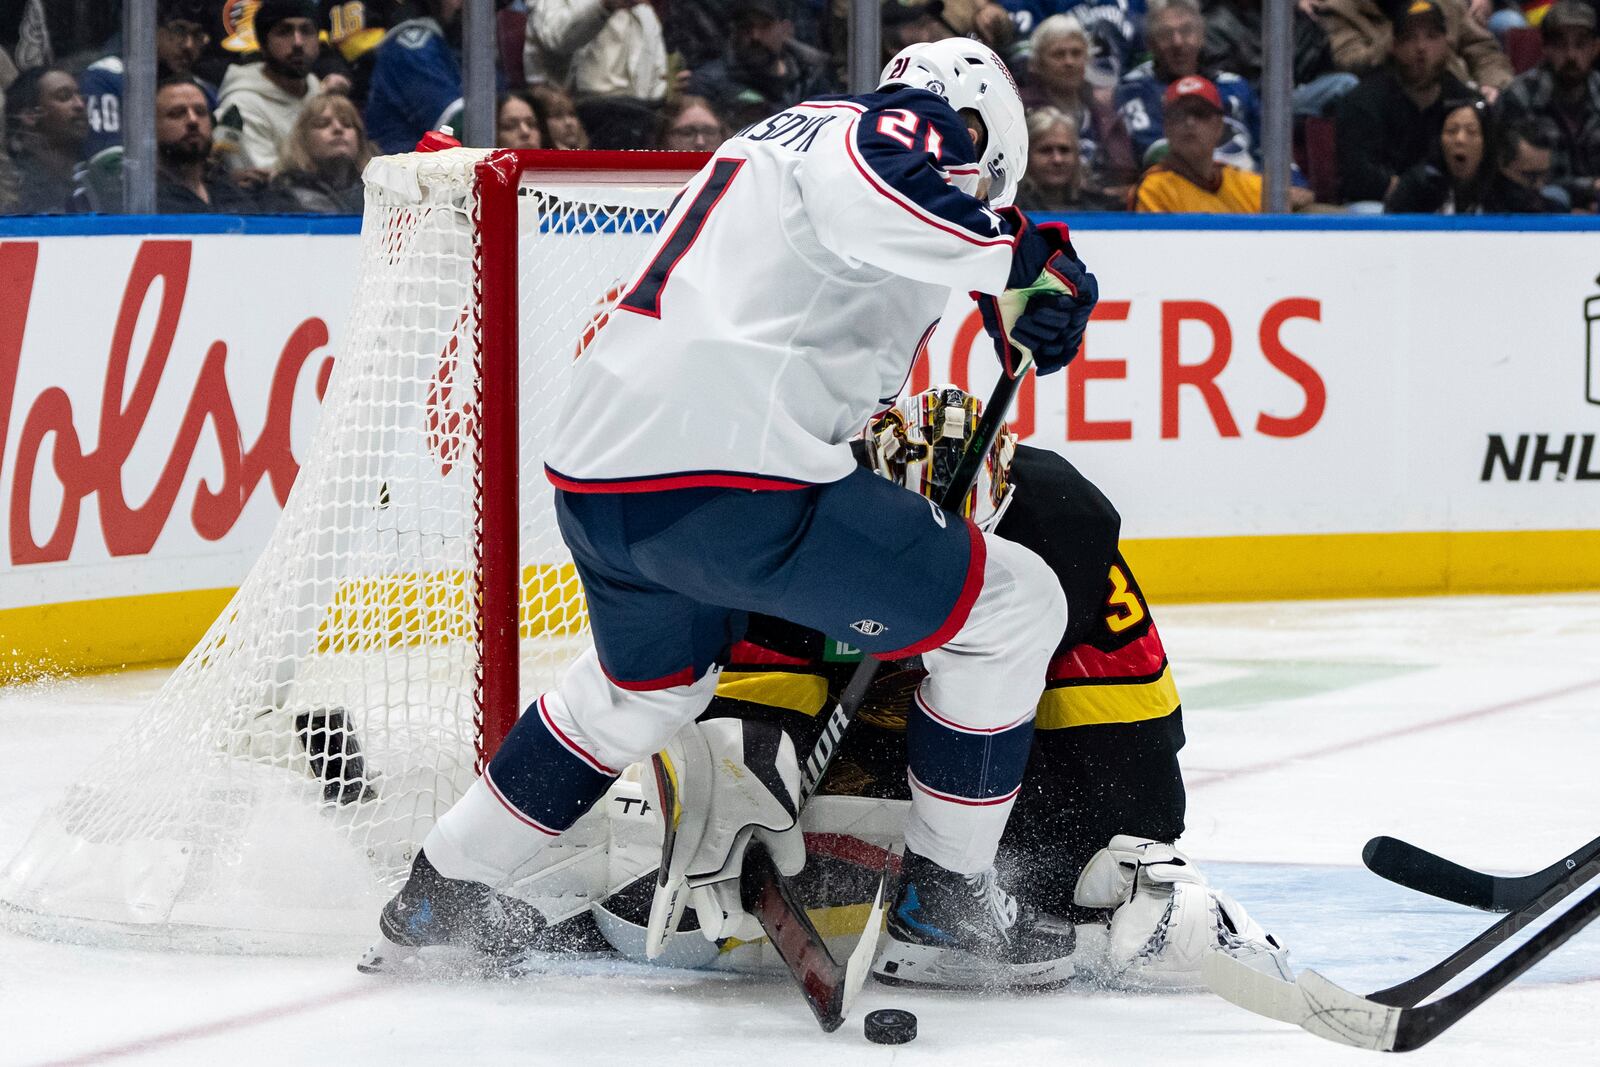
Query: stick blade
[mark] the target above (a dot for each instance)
(1337, 1014)
(1418, 869)
(1253, 990)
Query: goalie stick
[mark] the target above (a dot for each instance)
(829, 986)
(1405, 864)
(1397, 1024)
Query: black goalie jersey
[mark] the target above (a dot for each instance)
(1109, 726)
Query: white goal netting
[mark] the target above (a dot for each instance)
(272, 794)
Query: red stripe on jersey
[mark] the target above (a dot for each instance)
(666, 681)
(951, 724)
(512, 808)
(569, 744)
(1143, 658)
(970, 588)
(659, 483)
(749, 653)
(969, 801)
(931, 219)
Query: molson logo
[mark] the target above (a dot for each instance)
(1571, 456)
(83, 448)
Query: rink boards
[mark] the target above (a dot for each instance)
(1277, 412)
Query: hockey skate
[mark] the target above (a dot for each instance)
(438, 927)
(954, 931)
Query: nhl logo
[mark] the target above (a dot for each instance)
(868, 627)
(936, 87)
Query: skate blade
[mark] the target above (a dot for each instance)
(928, 967)
(445, 963)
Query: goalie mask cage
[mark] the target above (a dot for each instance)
(413, 596)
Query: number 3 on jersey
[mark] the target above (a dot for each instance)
(645, 296)
(1126, 609)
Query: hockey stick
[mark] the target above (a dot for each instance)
(1320, 1007)
(1415, 868)
(1412, 991)
(828, 985)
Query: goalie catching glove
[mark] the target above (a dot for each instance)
(1168, 918)
(721, 783)
(1048, 299)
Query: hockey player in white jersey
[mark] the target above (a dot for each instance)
(703, 472)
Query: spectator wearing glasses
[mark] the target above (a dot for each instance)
(1526, 160)
(264, 98)
(320, 172)
(691, 124)
(1058, 78)
(46, 125)
(1176, 33)
(1564, 89)
(1391, 121)
(181, 36)
(1455, 179)
(764, 69)
(516, 121)
(1189, 178)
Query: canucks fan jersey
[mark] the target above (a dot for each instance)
(1139, 100)
(416, 85)
(782, 303)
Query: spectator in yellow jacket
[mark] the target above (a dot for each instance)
(1190, 179)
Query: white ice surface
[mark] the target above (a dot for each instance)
(1470, 726)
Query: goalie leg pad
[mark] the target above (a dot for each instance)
(721, 783)
(1168, 918)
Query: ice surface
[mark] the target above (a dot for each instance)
(1470, 726)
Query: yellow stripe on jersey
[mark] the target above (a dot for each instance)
(805, 693)
(1091, 705)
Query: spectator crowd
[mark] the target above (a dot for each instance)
(1439, 106)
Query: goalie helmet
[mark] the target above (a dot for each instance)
(919, 442)
(968, 75)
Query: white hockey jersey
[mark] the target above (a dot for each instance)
(783, 301)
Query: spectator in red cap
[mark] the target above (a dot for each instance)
(1391, 121)
(1190, 179)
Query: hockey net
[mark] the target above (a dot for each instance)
(413, 596)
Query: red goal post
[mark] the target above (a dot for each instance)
(412, 598)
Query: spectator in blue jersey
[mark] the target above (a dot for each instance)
(1565, 89)
(181, 35)
(764, 69)
(1115, 30)
(46, 123)
(1058, 78)
(1233, 42)
(1176, 33)
(186, 181)
(1390, 122)
(416, 77)
(320, 172)
(264, 98)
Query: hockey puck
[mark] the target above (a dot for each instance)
(890, 1026)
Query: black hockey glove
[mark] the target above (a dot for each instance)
(1048, 300)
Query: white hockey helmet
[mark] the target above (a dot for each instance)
(919, 442)
(969, 75)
